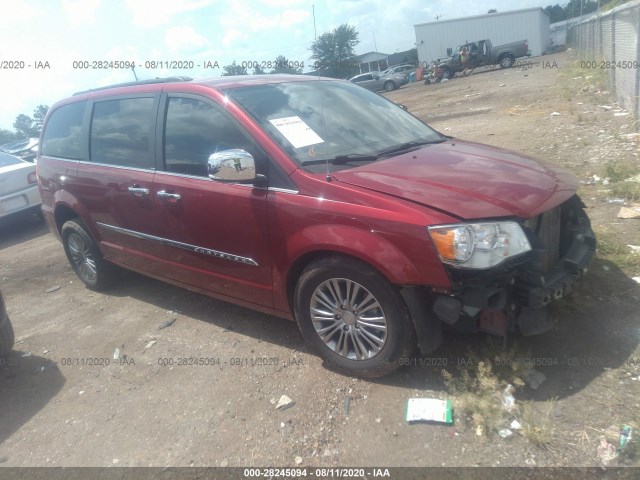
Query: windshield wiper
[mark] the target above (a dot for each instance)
(409, 145)
(343, 159)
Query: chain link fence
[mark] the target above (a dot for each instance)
(610, 40)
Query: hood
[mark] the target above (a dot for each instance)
(468, 180)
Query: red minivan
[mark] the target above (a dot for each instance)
(315, 200)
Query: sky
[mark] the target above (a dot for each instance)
(51, 40)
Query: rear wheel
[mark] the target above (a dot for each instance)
(507, 61)
(353, 317)
(389, 86)
(85, 257)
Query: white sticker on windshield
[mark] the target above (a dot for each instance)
(296, 131)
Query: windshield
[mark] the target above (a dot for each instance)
(322, 120)
(6, 160)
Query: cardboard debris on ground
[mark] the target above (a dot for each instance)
(429, 410)
(630, 212)
(284, 403)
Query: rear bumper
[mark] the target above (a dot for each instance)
(20, 202)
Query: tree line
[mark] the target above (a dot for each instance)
(332, 53)
(575, 8)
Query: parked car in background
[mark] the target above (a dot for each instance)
(6, 330)
(314, 200)
(18, 187)
(377, 81)
(404, 69)
(26, 148)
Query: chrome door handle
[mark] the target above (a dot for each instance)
(138, 191)
(169, 196)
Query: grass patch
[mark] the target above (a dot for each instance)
(618, 172)
(477, 388)
(538, 424)
(630, 191)
(610, 248)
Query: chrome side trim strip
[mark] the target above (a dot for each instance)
(184, 246)
(283, 190)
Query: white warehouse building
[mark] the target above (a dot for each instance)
(439, 39)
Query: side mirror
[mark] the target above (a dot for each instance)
(234, 165)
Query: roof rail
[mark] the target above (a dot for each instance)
(139, 82)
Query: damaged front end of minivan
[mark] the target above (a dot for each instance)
(505, 273)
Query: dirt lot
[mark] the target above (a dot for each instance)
(67, 402)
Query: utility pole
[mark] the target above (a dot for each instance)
(376, 48)
(313, 12)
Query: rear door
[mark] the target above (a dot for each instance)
(114, 186)
(214, 234)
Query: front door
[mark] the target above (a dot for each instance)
(214, 233)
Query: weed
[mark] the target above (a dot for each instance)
(610, 248)
(618, 172)
(477, 388)
(538, 424)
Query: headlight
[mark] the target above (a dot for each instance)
(479, 245)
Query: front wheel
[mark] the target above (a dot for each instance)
(389, 86)
(353, 317)
(85, 257)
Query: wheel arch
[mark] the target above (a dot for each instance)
(62, 214)
(373, 250)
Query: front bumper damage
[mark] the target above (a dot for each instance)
(514, 295)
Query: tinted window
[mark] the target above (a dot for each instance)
(62, 137)
(6, 160)
(121, 131)
(194, 130)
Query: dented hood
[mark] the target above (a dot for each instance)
(468, 180)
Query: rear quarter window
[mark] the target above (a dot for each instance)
(63, 134)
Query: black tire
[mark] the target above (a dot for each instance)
(347, 330)
(85, 257)
(507, 61)
(6, 335)
(389, 86)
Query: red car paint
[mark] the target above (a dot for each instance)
(376, 212)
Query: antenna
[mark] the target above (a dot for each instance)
(438, 17)
(133, 69)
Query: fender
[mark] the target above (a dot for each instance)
(363, 244)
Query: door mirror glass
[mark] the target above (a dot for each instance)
(234, 165)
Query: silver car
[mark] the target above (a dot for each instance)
(377, 81)
(18, 187)
(404, 69)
